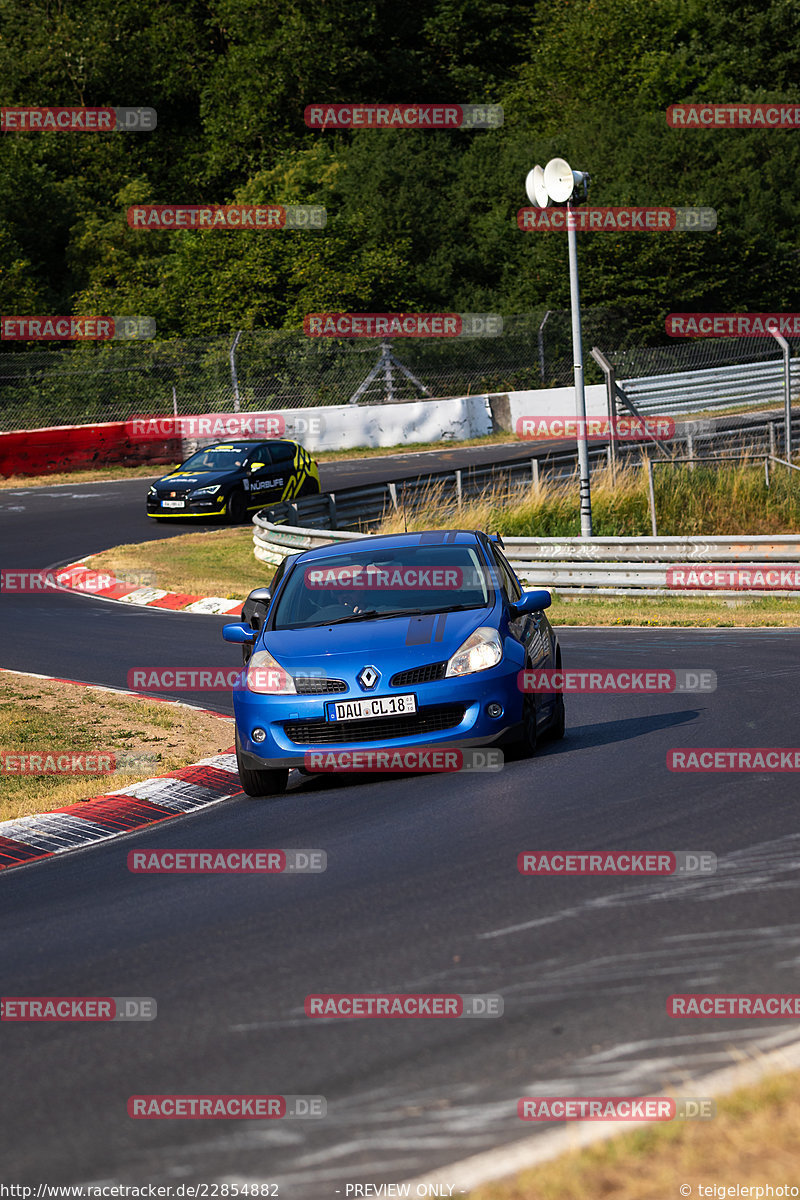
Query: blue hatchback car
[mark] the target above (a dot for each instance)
(408, 640)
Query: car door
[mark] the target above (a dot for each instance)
(266, 477)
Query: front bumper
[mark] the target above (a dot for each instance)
(201, 506)
(460, 705)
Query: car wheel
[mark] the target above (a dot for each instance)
(260, 783)
(236, 507)
(529, 737)
(558, 722)
(309, 487)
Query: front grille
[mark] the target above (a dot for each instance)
(428, 674)
(324, 733)
(318, 687)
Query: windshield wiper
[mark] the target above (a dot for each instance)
(374, 614)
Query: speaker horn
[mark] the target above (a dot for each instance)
(534, 186)
(560, 180)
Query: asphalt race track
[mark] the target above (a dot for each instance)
(421, 893)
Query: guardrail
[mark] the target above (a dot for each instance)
(362, 507)
(714, 388)
(603, 566)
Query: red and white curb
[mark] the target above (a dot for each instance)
(209, 781)
(74, 579)
(163, 798)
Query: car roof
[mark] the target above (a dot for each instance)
(244, 444)
(394, 541)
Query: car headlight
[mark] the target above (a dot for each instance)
(211, 490)
(266, 676)
(153, 492)
(481, 650)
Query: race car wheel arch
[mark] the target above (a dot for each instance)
(236, 506)
(260, 782)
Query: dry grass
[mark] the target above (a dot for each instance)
(752, 1140)
(217, 563)
(721, 500)
(41, 716)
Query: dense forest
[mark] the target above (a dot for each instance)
(417, 221)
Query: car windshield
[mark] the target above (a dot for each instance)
(370, 585)
(217, 458)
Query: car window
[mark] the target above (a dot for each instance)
(282, 454)
(412, 579)
(508, 582)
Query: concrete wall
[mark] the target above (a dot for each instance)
(339, 427)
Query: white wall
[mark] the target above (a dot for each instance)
(348, 426)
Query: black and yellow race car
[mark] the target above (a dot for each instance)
(233, 479)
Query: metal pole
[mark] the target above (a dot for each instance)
(540, 339)
(611, 400)
(787, 396)
(234, 378)
(580, 398)
(652, 494)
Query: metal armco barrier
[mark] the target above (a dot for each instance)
(603, 566)
(714, 388)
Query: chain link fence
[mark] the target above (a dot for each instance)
(94, 382)
(279, 370)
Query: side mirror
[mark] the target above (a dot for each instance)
(239, 633)
(256, 606)
(256, 466)
(534, 601)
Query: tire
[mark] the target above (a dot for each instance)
(529, 738)
(309, 487)
(260, 783)
(236, 508)
(558, 723)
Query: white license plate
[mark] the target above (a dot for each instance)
(173, 503)
(378, 706)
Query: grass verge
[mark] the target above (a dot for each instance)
(217, 563)
(39, 716)
(221, 563)
(752, 1141)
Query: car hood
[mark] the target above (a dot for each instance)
(191, 478)
(398, 641)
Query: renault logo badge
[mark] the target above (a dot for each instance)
(368, 678)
